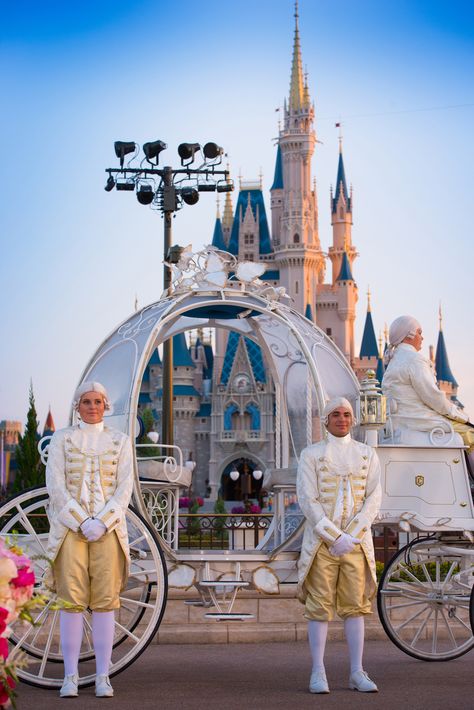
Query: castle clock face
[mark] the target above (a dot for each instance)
(241, 383)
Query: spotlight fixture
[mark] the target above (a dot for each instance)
(225, 186)
(153, 150)
(212, 151)
(126, 185)
(257, 474)
(110, 184)
(145, 194)
(207, 187)
(234, 474)
(190, 195)
(123, 148)
(186, 151)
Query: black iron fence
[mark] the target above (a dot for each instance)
(223, 531)
(244, 531)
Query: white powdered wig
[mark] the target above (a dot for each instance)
(335, 403)
(401, 328)
(90, 387)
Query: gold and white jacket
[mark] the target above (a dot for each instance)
(89, 473)
(338, 488)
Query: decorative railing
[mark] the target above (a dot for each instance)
(241, 435)
(222, 531)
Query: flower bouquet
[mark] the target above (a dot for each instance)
(16, 602)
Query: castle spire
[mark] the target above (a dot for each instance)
(297, 89)
(368, 347)
(443, 369)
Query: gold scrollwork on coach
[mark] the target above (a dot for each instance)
(419, 480)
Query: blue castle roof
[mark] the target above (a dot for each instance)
(218, 236)
(368, 346)
(155, 358)
(181, 391)
(256, 200)
(278, 177)
(204, 410)
(443, 370)
(209, 353)
(345, 274)
(181, 355)
(309, 312)
(254, 354)
(341, 185)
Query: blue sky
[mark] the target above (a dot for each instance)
(76, 77)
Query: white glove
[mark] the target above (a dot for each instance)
(344, 544)
(93, 529)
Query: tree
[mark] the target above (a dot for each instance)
(30, 471)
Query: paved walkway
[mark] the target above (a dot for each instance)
(271, 676)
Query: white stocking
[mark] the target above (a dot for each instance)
(354, 630)
(70, 628)
(103, 625)
(317, 635)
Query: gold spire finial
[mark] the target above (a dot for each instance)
(369, 307)
(136, 302)
(218, 206)
(296, 83)
(260, 176)
(440, 315)
(380, 345)
(385, 332)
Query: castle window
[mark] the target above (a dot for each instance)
(296, 238)
(341, 212)
(248, 238)
(248, 257)
(296, 287)
(329, 331)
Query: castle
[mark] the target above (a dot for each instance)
(223, 395)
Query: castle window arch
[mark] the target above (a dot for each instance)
(254, 412)
(231, 413)
(296, 238)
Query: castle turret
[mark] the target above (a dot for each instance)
(296, 244)
(444, 375)
(341, 220)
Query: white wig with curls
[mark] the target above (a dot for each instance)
(90, 387)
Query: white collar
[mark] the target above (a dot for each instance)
(339, 440)
(99, 426)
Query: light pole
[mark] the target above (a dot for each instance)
(167, 189)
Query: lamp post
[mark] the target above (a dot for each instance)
(373, 413)
(167, 189)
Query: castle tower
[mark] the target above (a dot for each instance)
(227, 218)
(341, 220)
(444, 376)
(296, 243)
(369, 350)
(218, 240)
(49, 427)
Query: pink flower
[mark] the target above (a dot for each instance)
(3, 619)
(25, 578)
(3, 648)
(4, 698)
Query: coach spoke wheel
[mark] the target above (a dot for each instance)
(24, 520)
(423, 607)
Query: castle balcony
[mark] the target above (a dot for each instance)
(240, 436)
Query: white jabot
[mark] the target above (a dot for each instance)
(91, 436)
(92, 446)
(341, 464)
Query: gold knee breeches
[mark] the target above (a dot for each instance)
(337, 585)
(89, 574)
